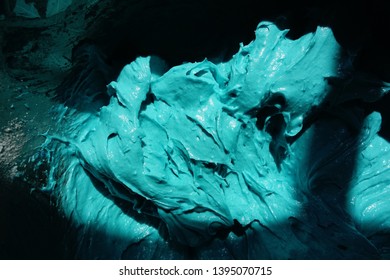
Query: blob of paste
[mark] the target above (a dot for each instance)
(199, 156)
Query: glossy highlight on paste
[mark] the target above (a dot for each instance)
(223, 160)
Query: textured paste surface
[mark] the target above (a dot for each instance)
(211, 160)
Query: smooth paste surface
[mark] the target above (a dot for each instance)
(209, 160)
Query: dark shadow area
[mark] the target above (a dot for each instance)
(186, 31)
(327, 172)
(85, 87)
(30, 226)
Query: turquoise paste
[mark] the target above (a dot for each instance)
(180, 158)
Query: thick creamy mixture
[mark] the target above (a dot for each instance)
(257, 157)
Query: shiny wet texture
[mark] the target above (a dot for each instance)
(338, 162)
(231, 160)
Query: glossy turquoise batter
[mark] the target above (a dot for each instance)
(201, 156)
